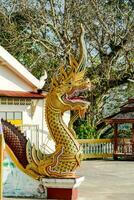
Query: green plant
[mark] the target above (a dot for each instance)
(84, 130)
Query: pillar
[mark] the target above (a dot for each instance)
(133, 139)
(115, 141)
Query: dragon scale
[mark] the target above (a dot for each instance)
(63, 138)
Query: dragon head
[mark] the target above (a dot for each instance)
(68, 88)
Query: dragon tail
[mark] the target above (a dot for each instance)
(20, 149)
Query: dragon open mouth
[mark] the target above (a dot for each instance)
(76, 96)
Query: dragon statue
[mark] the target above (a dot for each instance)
(65, 94)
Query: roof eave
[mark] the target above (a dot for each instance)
(17, 67)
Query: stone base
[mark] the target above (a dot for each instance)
(65, 189)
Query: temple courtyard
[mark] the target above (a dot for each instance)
(105, 180)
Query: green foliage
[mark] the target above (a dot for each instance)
(84, 130)
(124, 134)
(121, 134)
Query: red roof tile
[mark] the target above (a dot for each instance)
(6, 93)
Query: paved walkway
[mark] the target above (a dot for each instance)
(106, 180)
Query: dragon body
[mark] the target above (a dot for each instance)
(65, 94)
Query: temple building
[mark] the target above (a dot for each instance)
(124, 146)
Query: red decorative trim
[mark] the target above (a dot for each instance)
(131, 100)
(19, 94)
(119, 121)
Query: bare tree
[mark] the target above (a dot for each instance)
(40, 34)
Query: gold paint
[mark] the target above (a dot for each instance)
(1, 162)
(16, 122)
(102, 155)
(17, 163)
(34, 155)
(94, 141)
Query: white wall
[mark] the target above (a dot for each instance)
(10, 81)
(39, 116)
(66, 117)
(36, 119)
(22, 108)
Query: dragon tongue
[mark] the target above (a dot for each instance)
(75, 98)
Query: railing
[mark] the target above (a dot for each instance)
(125, 147)
(97, 148)
(31, 132)
(38, 137)
(104, 148)
(92, 148)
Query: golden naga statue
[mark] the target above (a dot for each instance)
(65, 94)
